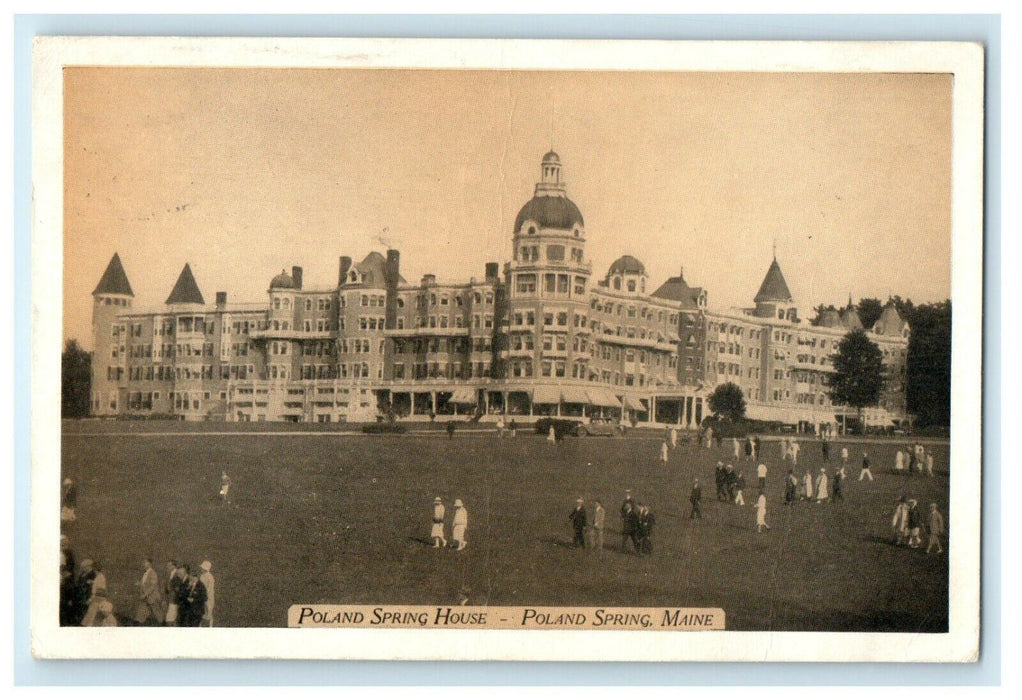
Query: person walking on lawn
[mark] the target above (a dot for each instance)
(695, 497)
(578, 523)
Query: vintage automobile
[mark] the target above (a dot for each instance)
(597, 427)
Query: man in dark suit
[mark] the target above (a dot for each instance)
(695, 498)
(578, 523)
(83, 591)
(627, 520)
(191, 600)
(645, 523)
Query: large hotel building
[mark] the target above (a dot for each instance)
(543, 336)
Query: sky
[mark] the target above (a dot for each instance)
(243, 172)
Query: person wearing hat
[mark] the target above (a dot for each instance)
(172, 592)
(899, 522)
(822, 486)
(695, 497)
(915, 523)
(96, 592)
(437, 532)
(68, 501)
(191, 599)
(599, 517)
(459, 525)
(150, 599)
(105, 615)
(761, 507)
(866, 468)
(207, 580)
(644, 530)
(790, 487)
(627, 520)
(936, 530)
(578, 523)
(69, 554)
(720, 477)
(225, 487)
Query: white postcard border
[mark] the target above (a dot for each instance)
(965, 60)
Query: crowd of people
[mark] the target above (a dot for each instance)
(183, 599)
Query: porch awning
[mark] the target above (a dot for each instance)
(572, 394)
(546, 394)
(464, 395)
(603, 397)
(634, 404)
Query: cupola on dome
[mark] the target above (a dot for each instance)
(282, 281)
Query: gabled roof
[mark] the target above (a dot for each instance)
(185, 290)
(677, 289)
(114, 280)
(774, 288)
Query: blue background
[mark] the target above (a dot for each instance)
(985, 29)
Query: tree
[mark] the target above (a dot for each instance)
(728, 402)
(818, 311)
(858, 372)
(75, 380)
(928, 370)
(869, 311)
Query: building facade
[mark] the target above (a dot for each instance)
(542, 336)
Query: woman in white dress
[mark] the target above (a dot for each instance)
(822, 492)
(437, 531)
(460, 524)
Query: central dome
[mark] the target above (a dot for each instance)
(550, 212)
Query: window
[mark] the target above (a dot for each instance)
(555, 253)
(526, 284)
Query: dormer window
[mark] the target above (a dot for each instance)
(353, 277)
(532, 230)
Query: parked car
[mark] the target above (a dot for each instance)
(597, 427)
(561, 426)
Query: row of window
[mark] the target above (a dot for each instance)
(441, 370)
(632, 311)
(526, 284)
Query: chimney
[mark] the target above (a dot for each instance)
(296, 275)
(342, 274)
(429, 280)
(492, 270)
(392, 269)
(221, 300)
(391, 277)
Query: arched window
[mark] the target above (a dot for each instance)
(617, 283)
(631, 285)
(287, 303)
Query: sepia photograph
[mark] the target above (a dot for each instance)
(393, 349)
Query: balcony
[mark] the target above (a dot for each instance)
(290, 334)
(430, 332)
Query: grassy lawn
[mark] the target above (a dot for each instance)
(322, 518)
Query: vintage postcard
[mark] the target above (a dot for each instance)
(523, 350)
